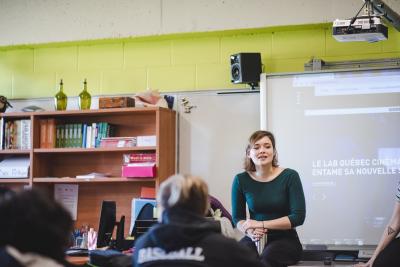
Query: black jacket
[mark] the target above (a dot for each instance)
(186, 239)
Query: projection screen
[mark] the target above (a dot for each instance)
(341, 132)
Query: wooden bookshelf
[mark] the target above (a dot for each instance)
(71, 180)
(15, 151)
(14, 181)
(95, 150)
(50, 166)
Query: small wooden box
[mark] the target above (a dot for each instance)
(116, 102)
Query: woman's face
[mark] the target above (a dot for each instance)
(262, 152)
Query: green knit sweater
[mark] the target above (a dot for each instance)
(283, 196)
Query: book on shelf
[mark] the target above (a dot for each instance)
(93, 175)
(82, 135)
(139, 165)
(43, 133)
(118, 142)
(9, 135)
(48, 133)
(94, 135)
(1, 133)
(25, 140)
(88, 137)
(15, 134)
(147, 192)
(70, 140)
(15, 167)
(139, 157)
(51, 133)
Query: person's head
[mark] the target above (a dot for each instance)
(33, 222)
(5, 193)
(260, 150)
(184, 191)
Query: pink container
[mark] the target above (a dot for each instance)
(134, 170)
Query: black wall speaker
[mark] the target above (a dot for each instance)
(246, 68)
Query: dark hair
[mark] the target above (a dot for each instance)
(5, 193)
(33, 222)
(257, 135)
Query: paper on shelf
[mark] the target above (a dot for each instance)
(67, 195)
(92, 175)
(15, 167)
(148, 140)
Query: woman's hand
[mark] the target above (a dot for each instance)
(252, 224)
(254, 229)
(367, 264)
(255, 234)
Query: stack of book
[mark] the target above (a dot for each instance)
(84, 135)
(47, 133)
(92, 134)
(118, 142)
(139, 165)
(15, 134)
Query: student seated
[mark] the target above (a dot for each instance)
(34, 230)
(184, 237)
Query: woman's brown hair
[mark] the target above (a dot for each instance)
(257, 135)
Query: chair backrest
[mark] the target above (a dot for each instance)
(143, 221)
(216, 204)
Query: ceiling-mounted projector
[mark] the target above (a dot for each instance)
(369, 26)
(361, 30)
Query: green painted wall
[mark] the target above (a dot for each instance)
(198, 61)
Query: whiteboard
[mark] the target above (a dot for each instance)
(213, 137)
(340, 131)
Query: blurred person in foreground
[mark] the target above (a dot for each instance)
(34, 230)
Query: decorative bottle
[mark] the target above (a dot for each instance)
(60, 99)
(85, 98)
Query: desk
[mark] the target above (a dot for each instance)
(77, 260)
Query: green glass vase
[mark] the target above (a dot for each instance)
(60, 99)
(85, 99)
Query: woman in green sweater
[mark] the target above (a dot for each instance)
(275, 198)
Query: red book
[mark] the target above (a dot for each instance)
(139, 157)
(147, 192)
(43, 133)
(51, 133)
